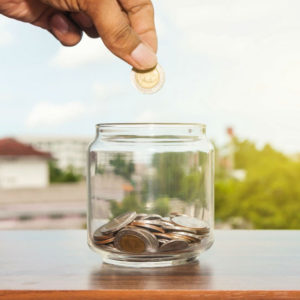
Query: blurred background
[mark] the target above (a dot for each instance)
(233, 65)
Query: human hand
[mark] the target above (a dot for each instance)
(125, 26)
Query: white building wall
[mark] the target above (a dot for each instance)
(69, 151)
(23, 173)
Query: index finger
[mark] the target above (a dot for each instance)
(141, 16)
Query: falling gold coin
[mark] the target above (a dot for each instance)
(149, 81)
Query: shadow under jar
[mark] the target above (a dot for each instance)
(151, 199)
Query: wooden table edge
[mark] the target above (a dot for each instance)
(148, 294)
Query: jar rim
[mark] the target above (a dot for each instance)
(150, 132)
(201, 125)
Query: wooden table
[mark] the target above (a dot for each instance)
(59, 265)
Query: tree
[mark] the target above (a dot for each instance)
(269, 197)
(129, 203)
(169, 173)
(58, 175)
(122, 167)
(162, 206)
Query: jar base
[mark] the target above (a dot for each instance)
(151, 263)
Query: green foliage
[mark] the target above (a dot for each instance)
(269, 197)
(162, 206)
(58, 175)
(122, 167)
(178, 176)
(225, 192)
(170, 173)
(100, 169)
(247, 156)
(192, 187)
(129, 203)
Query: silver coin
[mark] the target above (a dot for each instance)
(167, 223)
(140, 216)
(149, 81)
(190, 222)
(147, 226)
(150, 222)
(176, 214)
(109, 248)
(163, 241)
(153, 217)
(192, 236)
(175, 228)
(174, 245)
(203, 232)
(167, 236)
(99, 236)
(117, 223)
(152, 238)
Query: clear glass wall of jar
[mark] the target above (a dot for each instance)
(151, 193)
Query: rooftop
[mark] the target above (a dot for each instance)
(11, 147)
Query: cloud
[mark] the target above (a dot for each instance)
(50, 114)
(193, 12)
(250, 53)
(104, 91)
(5, 36)
(226, 28)
(88, 51)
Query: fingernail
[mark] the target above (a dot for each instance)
(59, 23)
(144, 56)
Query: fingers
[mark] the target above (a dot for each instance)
(125, 26)
(57, 23)
(113, 25)
(64, 29)
(141, 16)
(85, 23)
(82, 19)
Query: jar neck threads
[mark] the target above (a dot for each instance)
(160, 132)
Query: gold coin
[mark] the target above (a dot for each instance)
(149, 81)
(103, 242)
(175, 214)
(102, 237)
(174, 245)
(153, 217)
(148, 226)
(135, 240)
(163, 235)
(132, 244)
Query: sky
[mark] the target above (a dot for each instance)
(227, 63)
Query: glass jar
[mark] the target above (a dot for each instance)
(151, 193)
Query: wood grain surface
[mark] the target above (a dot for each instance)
(59, 265)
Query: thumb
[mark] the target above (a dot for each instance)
(113, 26)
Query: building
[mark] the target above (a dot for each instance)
(68, 151)
(22, 166)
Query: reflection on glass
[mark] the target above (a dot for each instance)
(158, 186)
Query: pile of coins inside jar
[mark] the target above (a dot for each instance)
(150, 233)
